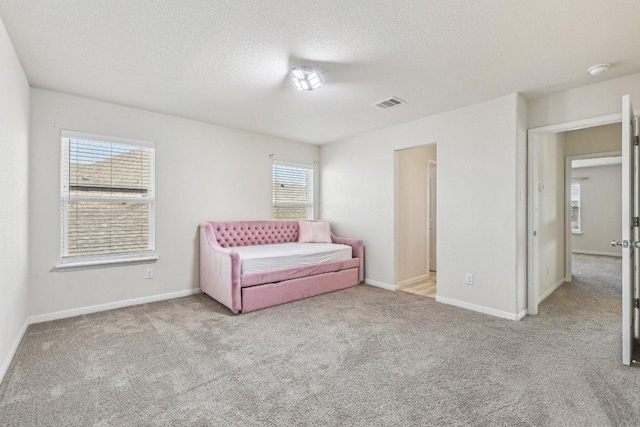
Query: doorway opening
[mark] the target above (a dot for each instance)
(416, 228)
(593, 194)
(579, 201)
(557, 210)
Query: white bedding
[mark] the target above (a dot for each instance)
(261, 258)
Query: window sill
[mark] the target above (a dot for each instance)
(84, 265)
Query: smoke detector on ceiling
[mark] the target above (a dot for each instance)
(596, 70)
(389, 103)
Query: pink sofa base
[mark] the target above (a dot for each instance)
(253, 279)
(258, 297)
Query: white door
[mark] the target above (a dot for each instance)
(433, 214)
(629, 232)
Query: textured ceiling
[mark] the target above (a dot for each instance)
(227, 61)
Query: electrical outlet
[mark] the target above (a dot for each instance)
(149, 273)
(468, 280)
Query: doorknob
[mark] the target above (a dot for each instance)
(625, 244)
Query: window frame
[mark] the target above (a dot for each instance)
(579, 200)
(67, 262)
(310, 205)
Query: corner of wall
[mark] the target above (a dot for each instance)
(521, 203)
(14, 192)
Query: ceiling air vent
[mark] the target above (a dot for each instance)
(389, 103)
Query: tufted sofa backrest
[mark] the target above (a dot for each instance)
(248, 233)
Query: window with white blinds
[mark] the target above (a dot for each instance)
(292, 191)
(107, 189)
(576, 223)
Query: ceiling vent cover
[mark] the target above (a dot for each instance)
(389, 103)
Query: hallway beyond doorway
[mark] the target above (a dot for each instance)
(592, 297)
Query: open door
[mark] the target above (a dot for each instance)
(630, 244)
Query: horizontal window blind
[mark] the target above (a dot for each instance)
(292, 192)
(107, 193)
(576, 226)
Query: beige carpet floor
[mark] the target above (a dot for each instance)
(359, 357)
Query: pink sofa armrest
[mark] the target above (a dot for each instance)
(219, 270)
(357, 247)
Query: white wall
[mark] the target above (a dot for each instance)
(412, 169)
(479, 208)
(597, 100)
(600, 201)
(551, 212)
(203, 172)
(14, 206)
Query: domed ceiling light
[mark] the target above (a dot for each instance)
(306, 78)
(596, 70)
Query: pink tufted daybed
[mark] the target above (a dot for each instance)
(221, 267)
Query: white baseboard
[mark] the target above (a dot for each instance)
(521, 315)
(596, 253)
(380, 285)
(110, 306)
(551, 290)
(413, 280)
(12, 351)
(481, 308)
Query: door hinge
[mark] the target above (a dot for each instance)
(636, 140)
(636, 221)
(637, 303)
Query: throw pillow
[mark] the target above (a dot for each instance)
(314, 232)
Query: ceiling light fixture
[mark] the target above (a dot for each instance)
(596, 70)
(306, 78)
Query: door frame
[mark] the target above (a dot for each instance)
(431, 164)
(533, 199)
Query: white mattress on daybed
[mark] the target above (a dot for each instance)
(260, 258)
